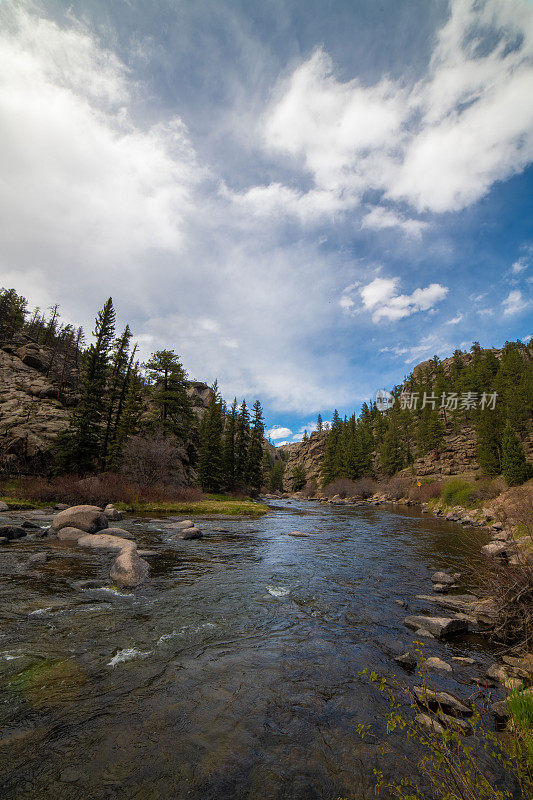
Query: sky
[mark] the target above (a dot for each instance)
(302, 198)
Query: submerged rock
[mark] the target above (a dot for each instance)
(129, 569)
(90, 519)
(438, 626)
(103, 541)
(437, 663)
(190, 533)
(442, 577)
(38, 558)
(12, 531)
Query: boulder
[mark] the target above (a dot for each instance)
(70, 534)
(102, 541)
(184, 523)
(501, 713)
(61, 506)
(119, 532)
(496, 549)
(436, 663)
(111, 513)
(90, 519)
(441, 700)
(12, 531)
(190, 533)
(440, 627)
(129, 569)
(29, 524)
(406, 660)
(442, 577)
(3, 506)
(428, 722)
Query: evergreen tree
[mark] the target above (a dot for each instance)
(210, 457)
(255, 455)
(169, 394)
(12, 313)
(276, 476)
(332, 452)
(319, 423)
(392, 451)
(229, 446)
(298, 478)
(305, 437)
(489, 441)
(119, 367)
(79, 448)
(242, 440)
(128, 413)
(514, 465)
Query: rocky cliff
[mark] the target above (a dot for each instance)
(36, 402)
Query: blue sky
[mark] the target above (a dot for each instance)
(303, 199)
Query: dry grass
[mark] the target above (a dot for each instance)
(425, 492)
(364, 487)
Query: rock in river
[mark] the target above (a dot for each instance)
(90, 519)
(128, 569)
(12, 531)
(119, 532)
(111, 513)
(438, 626)
(70, 534)
(102, 541)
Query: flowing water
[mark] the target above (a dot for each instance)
(233, 673)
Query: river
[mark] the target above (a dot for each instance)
(233, 672)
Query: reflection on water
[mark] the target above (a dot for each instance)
(233, 673)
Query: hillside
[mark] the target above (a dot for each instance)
(454, 447)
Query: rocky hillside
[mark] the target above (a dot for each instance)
(456, 453)
(36, 401)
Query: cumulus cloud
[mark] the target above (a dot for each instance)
(514, 303)
(382, 299)
(278, 432)
(438, 144)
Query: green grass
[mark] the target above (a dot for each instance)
(213, 504)
(521, 712)
(244, 508)
(19, 504)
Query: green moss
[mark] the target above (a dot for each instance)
(19, 504)
(48, 683)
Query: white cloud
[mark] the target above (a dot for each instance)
(519, 266)
(427, 347)
(382, 299)
(380, 217)
(278, 432)
(455, 320)
(280, 444)
(438, 144)
(514, 303)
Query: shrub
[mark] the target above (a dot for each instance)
(447, 764)
(425, 492)
(397, 486)
(310, 489)
(99, 490)
(152, 459)
(457, 492)
(344, 487)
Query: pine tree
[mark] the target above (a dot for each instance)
(255, 454)
(319, 423)
(229, 446)
(333, 447)
(128, 412)
(489, 441)
(210, 457)
(242, 439)
(298, 478)
(305, 437)
(119, 366)
(79, 448)
(392, 451)
(276, 476)
(169, 395)
(514, 465)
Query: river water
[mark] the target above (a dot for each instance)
(233, 673)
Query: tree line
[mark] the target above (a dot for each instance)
(120, 398)
(491, 395)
